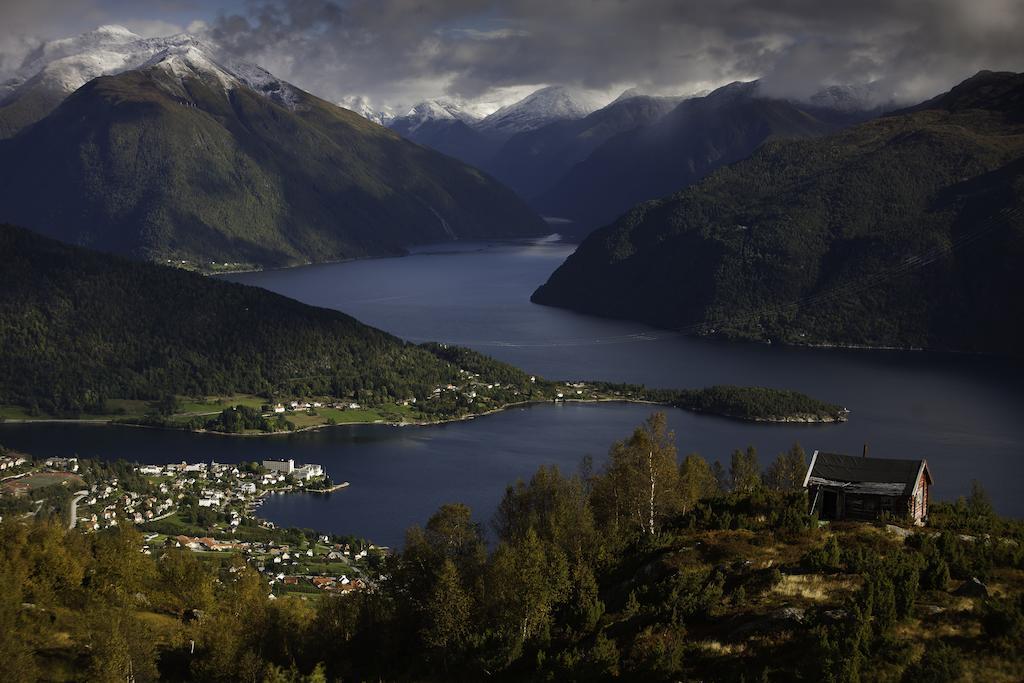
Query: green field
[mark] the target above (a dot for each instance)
(38, 481)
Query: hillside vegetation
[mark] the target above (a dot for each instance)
(903, 231)
(710, 575)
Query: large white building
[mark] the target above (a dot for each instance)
(286, 466)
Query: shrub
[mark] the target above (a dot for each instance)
(940, 663)
(826, 558)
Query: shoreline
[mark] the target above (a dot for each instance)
(797, 419)
(409, 250)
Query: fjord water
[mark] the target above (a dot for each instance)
(965, 414)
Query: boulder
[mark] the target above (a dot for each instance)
(973, 588)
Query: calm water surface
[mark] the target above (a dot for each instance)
(964, 414)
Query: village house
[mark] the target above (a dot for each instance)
(847, 487)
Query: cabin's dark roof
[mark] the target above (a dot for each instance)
(834, 467)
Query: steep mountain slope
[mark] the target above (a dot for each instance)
(77, 326)
(532, 161)
(190, 159)
(698, 136)
(539, 108)
(903, 231)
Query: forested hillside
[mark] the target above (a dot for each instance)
(78, 327)
(903, 231)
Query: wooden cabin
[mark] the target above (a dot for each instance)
(848, 487)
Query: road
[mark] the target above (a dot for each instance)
(74, 508)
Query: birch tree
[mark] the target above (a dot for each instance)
(639, 488)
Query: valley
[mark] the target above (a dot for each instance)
(299, 383)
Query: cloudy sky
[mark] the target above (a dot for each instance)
(397, 52)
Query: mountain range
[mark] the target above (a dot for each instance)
(906, 231)
(590, 164)
(697, 136)
(195, 158)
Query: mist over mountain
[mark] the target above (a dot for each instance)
(698, 136)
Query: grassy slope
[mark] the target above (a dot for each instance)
(902, 231)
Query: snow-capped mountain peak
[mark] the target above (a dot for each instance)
(105, 38)
(553, 103)
(440, 109)
(62, 66)
(188, 60)
(191, 58)
(430, 111)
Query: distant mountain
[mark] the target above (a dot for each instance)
(698, 136)
(906, 231)
(539, 108)
(850, 98)
(362, 106)
(434, 110)
(530, 162)
(447, 128)
(194, 158)
(78, 327)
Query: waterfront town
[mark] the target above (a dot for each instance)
(208, 508)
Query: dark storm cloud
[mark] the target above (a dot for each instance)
(401, 50)
(386, 48)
